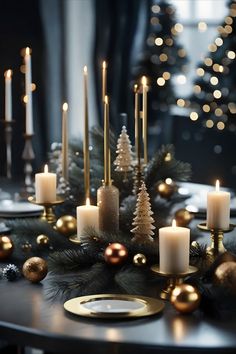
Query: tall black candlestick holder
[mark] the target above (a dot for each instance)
(8, 138)
(172, 279)
(28, 156)
(217, 235)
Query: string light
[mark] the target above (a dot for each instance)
(158, 41)
(231, 54)
(181, 102)
(208, 61)
(228, 20)
(182, 53)
(206, 108)
(163, 57)
(214, 80)
(212, 47)
(33, 87)
(181, 79)
(155, 9)
(179, 27)
(228, 29)
(161, 81)
(218, 112)
(200, 71)
(220, 125)
(219, 41)
(209, 123)
(154, 21)
(202, 26)
(217, 94)
(194, 116)
(166, 75)
(169, 42)
(232, 107)
(197, 89)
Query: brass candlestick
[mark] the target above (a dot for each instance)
(48, 213)
(8, 139)
(217, 235)
(172, 279)
(28, 156)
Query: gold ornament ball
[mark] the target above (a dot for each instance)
(185, 298)
(42, 240)
(6, 247)
(26, 247)
(115, 254)
(165, 190)
(139, 259)
(183, 217)
(35, 269)
(225, 275)
(66, 225)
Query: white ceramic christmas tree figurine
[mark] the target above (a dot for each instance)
(123, 160)
(143, 220)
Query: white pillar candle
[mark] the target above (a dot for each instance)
(8, 96)
(218, 209)
(45, 186)
(174, 249)
(87, 216)
(28, 92)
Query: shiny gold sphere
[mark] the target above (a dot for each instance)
(115, 254)
(6, 247)
(35, 269)
(183, 217)
(165, 190)
(139, 259)
(185, 298)
(42, 240)
(225, 275)
(66, 225)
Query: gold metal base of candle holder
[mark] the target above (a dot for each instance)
(172, 279)
(217, 235)
(48, 213)
(75, 239)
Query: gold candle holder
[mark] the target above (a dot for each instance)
(172, 279)
(48, 213)
(217, 235)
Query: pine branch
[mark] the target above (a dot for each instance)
(132, 280)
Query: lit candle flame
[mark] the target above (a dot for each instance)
(173, 223)
(46, 169)
(217, 185)
(65, 107)
(87, 201)
(135, 88)
(8, 73)
(85, 69)
(27, 51)
(144, 81)
(104, 64)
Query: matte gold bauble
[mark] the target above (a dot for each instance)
(225, 275)
(35, 269)
(115, 254)
(139, 259)
(183, 217)
(165, 190)
(66, 225)
(42, 240)
(6, 247)
(185, 298)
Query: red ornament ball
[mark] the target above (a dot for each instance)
(115, 254)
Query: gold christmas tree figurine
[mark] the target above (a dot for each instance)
(143, 220)
(123, 160)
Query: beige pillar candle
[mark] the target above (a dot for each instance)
(104, 80)
(64, 152)
(145, 144)
(174, 249)
(28, 92)
(108, 203)
(218, 209)
(87, 216)
(8, 95)
(45, 186)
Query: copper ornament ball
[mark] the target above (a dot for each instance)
(185, 298)
(183, 217)
(225, 275)
(42, 240)
(139, 259)
(115, 254)
(6, 247)
(165, 190)
(66, 225)
(35, 269)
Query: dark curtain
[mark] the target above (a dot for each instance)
(121, 29)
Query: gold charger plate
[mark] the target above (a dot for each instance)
(114, 306)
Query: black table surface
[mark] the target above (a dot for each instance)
(28, 319)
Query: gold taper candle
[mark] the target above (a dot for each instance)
(137, 122)
(86, 137)
(107, 165)
(104, 80)
(65, 141)
(145, 152)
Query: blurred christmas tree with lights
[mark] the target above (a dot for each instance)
(214, 99)
(163, 59)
